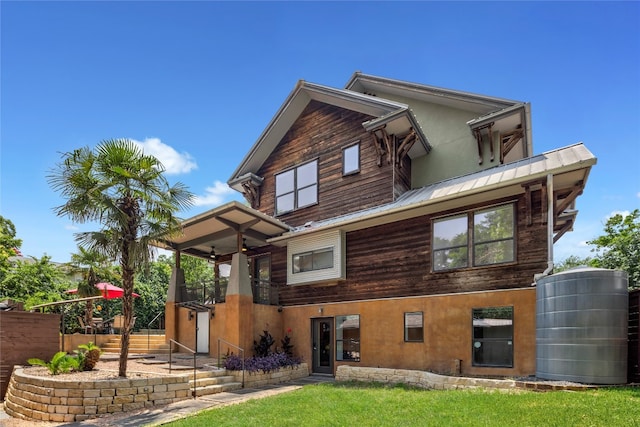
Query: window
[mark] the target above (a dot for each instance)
(450, 243)
(317, 258)
(348, 338)
(493, 235)
(413, 327)
(313, 260)
(492, 238)
(351, 159)
(297, 188)
(493, 336)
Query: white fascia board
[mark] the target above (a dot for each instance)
(412, 89)
(496, 115)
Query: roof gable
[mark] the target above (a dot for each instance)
(396, 115)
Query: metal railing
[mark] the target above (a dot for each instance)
(241, 350)
(264, 292)
(149, 329)
(206, 292)
(193, 393)
(214, 292)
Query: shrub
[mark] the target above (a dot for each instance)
(60, 362)
(88, 355)
(262, 348)
(266, 364)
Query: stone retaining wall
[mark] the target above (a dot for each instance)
(276, 377)
(442, 382)
(417, 378)
(45, 399)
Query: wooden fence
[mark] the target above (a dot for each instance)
(24, 335)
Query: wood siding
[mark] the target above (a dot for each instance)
(394, 260)
(24, 335)
(321, 132)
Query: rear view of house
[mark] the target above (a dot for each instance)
(386, 224)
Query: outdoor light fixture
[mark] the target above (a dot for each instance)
(244, 245)
(212, 254)
(190, 315)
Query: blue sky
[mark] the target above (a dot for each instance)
(197, 82)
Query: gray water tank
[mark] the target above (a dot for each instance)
(581, 326)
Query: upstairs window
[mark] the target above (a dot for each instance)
(351, 159)
(450, 243)
(493, 235)
(476, 238)
(297, 188)
(313, 260)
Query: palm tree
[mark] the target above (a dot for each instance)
(124, 190)
(93, 265)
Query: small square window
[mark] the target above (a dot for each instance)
(414, 327)
(351, 159)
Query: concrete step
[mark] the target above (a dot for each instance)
(152, 344)
(214, 381)
(218, 388)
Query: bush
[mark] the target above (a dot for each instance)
(266, 364)
(262, 348)
(61, 362)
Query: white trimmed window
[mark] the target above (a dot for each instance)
(297, 188)
(351, 159)
(316, 258)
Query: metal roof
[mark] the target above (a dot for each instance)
(220, 227)
(569, 166)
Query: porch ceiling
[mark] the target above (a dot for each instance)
(221, 228)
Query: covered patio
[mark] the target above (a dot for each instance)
(200, 314)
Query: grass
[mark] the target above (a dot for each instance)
(376, 405)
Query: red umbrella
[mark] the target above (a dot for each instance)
(109, 291)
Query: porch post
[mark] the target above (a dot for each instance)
(239, 305)
(170, 309)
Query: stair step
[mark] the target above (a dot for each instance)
(204, 382)
(219, 388)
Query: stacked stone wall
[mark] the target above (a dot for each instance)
(252, 380)
(39, 398)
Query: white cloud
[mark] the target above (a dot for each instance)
(214, 195)
(174, 162)
(638, 194)
(71, 227)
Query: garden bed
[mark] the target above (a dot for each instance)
(259, 379)
(34, 395)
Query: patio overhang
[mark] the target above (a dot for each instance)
(225, 228)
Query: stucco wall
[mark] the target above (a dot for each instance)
(447, 331)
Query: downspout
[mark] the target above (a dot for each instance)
(550, 215)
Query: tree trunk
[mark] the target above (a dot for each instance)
(127, 312)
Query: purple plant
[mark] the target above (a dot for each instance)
(272, 362)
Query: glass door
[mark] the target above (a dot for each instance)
(322, 345)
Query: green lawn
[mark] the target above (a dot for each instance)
(374, 405)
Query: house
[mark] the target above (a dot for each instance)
(386, 224)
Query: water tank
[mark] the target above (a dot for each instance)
(581, 326)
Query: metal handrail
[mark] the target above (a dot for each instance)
(171, 341)
(149, 329)
(220, 340)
